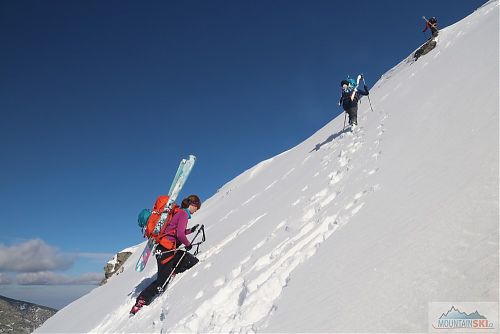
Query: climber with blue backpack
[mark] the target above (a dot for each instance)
(350, 95)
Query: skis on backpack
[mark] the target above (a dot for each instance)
(433, 25)
(358, 79)
(183, 171)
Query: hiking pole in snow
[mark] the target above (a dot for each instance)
(364, 82)
(345, 118)
(370, 102)
(169, 278)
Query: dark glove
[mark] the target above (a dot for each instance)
(188, 248)
(194, 228)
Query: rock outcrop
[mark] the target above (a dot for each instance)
(114, 266)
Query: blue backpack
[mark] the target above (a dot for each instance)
(142, 219)
(352, 82)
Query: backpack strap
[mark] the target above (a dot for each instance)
(163, 232)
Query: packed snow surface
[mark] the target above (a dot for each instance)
(347, 231)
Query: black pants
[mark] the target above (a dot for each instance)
(353, 115)
(187, 261)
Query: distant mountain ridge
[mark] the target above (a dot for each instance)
(18, 316)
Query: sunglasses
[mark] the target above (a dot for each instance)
(196, 204)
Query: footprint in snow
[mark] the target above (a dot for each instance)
(272, 184)
(356, 199)
(325, 161)
(249, 200)
(319, 195)
(226, 216)
(343, 159)
(329, 199)
(259, 245)
(245, 260)
(236, 272)
(280, 225)
(335, 177)
(199, 294)
(359, 195)
(381, 126)
(357, 208)
(356, 147)
(220, 281)
(288, 173)
(309, 214)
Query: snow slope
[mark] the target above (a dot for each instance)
(346, 231)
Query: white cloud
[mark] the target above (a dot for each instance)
(5, 279)
(33, 256)
(51, 278)
(38, 263)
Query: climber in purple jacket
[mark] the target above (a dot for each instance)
(168, 259)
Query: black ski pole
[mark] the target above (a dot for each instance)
(370, 102)
(201, 229)
(364, 82)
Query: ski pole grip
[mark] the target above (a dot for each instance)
(202, 230)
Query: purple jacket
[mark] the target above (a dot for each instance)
(179, 223)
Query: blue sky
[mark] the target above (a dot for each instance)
(99, 101)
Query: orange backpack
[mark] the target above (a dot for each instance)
(158, 208)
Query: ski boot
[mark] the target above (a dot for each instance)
(139, 303)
